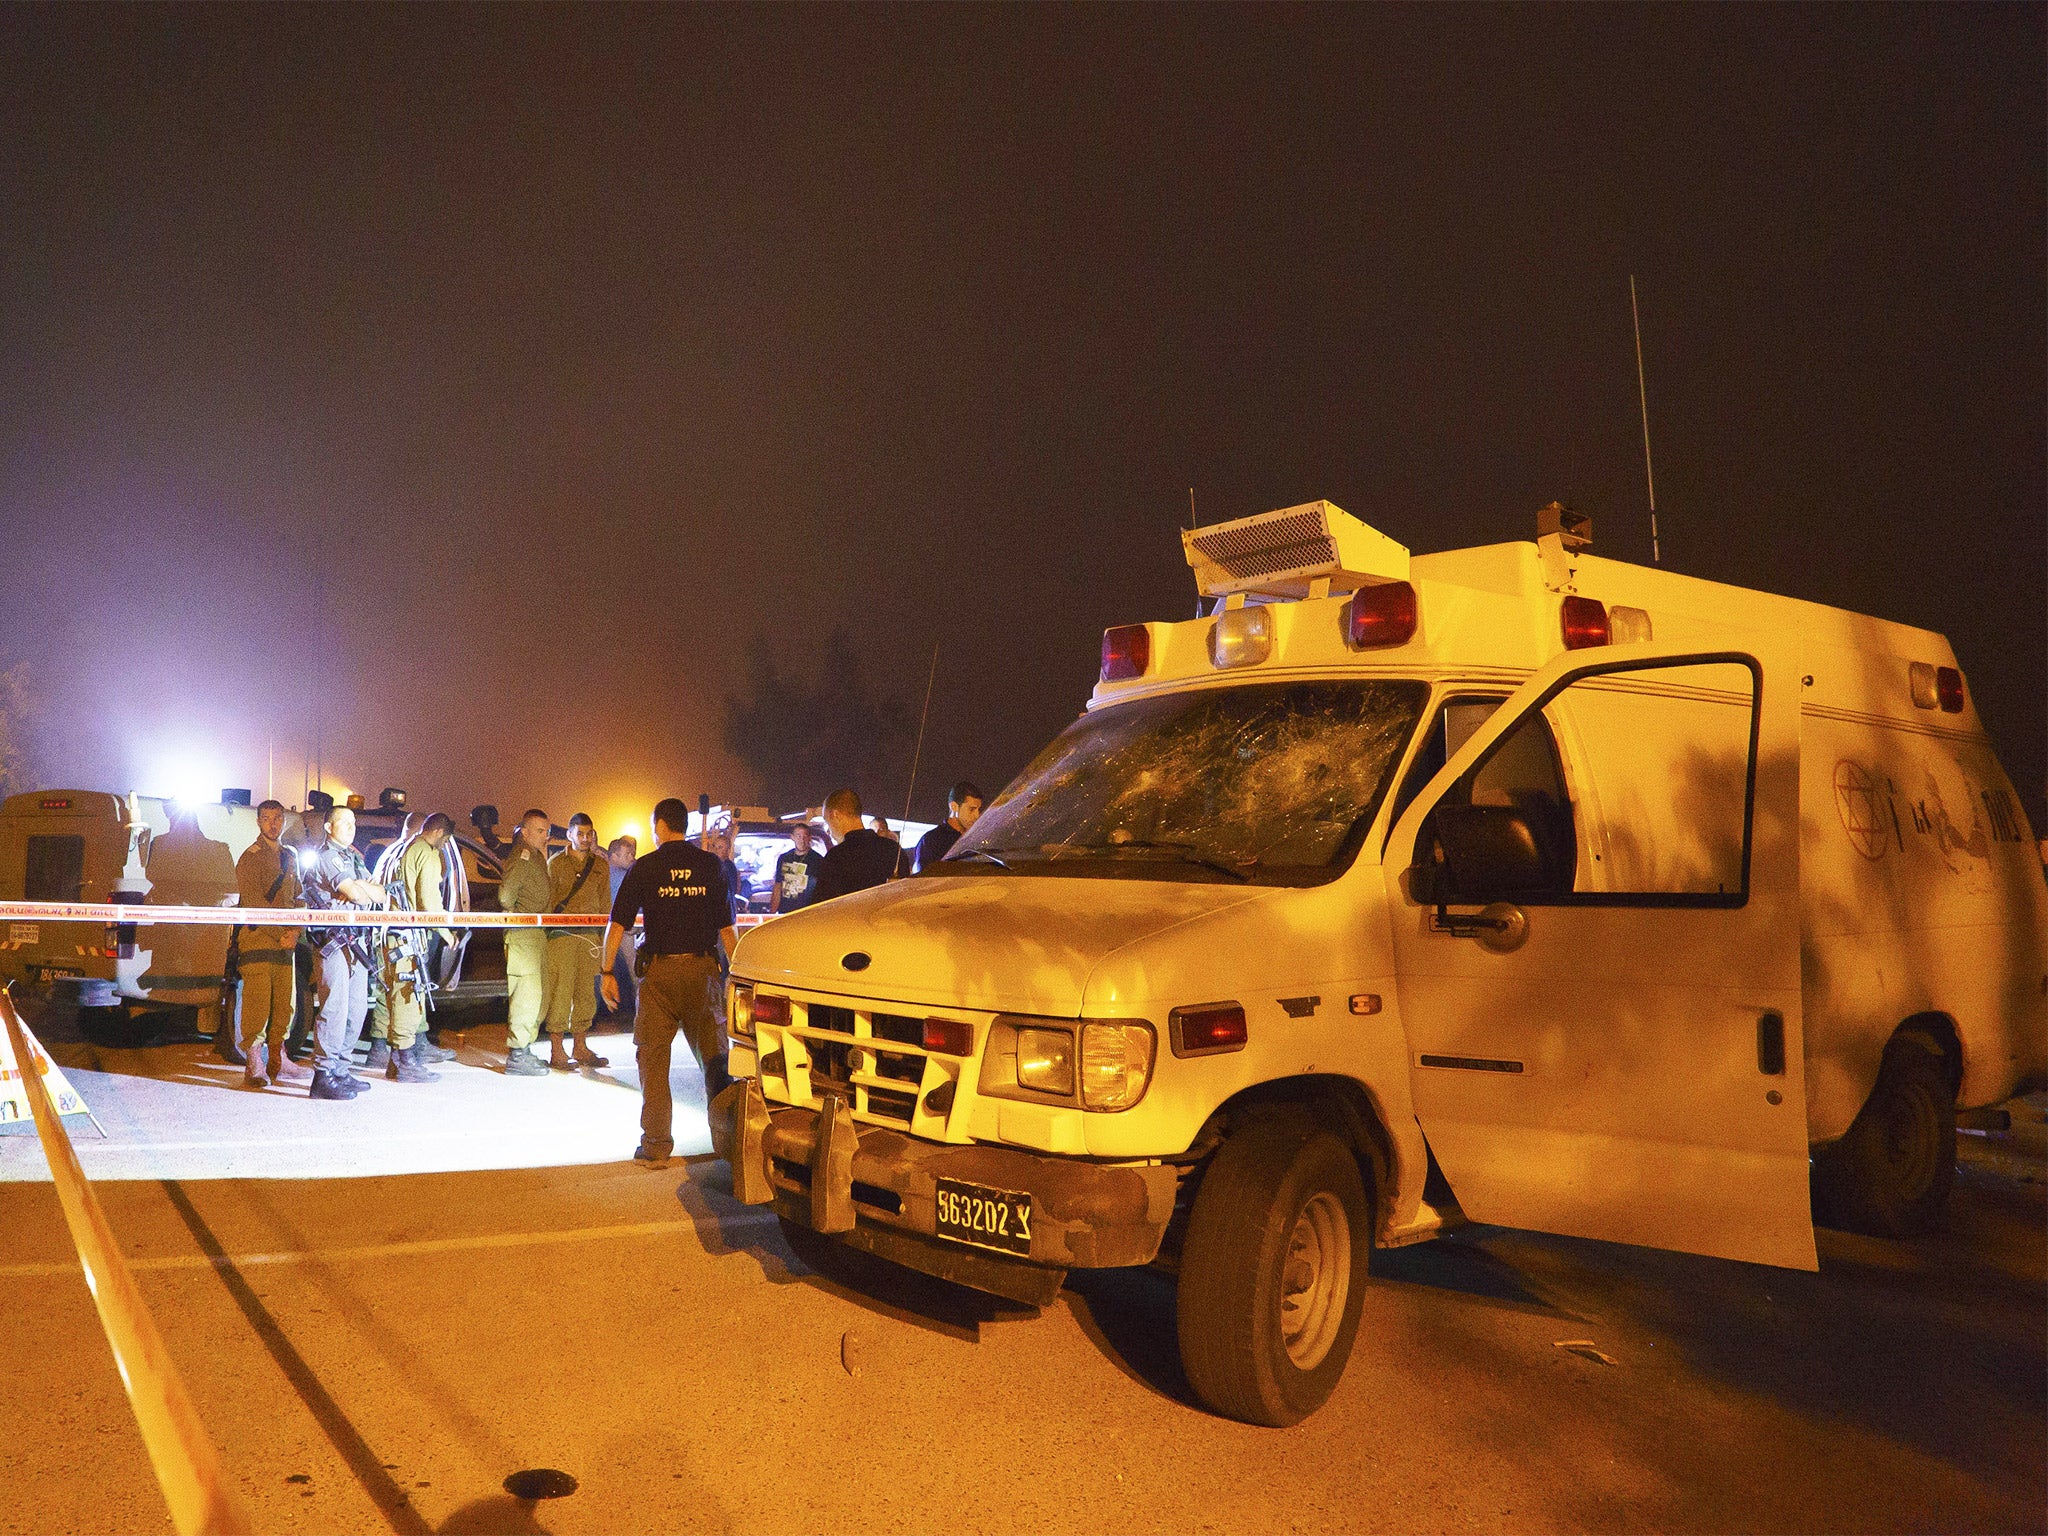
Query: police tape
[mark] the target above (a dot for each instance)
(125, 913)
(187, 1466)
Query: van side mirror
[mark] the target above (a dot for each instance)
(1490, 853)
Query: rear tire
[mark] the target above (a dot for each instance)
(1890, 1176)
(1273, 1273)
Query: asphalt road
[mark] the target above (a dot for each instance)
(380, 1353)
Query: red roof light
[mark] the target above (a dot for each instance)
(1381, 615)
(1948, 688)
(1585, 623)
(1126, 652)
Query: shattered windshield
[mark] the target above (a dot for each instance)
(1262, 782)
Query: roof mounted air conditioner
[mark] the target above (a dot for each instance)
(1305, 551)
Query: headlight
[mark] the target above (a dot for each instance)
(739, 1012)
(1045, 1060)
(1116, 1063)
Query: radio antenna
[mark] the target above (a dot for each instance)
(1643, 396)
(926, 714)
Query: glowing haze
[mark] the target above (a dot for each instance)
(473, 385)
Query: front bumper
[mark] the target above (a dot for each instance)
(876, 1189)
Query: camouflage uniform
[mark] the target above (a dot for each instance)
(405, 992)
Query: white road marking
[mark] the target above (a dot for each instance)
(392, 1250)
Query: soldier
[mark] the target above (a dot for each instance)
(578, 881)
(336, 879)
(267, 875)
(680, 891)
(384, 872)
(416, 886)
(303, 836)
(525, 888)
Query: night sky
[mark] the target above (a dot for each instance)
(482, 384)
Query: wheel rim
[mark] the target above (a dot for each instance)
(1912, 1140)
(1315, 1280)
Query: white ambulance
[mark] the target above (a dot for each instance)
(1508, 884)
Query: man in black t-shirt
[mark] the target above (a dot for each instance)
(963, 810)
(859, 858)
(679, 891)
(796, 872)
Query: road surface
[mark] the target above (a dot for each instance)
(381, 1352)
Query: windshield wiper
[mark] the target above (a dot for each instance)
(1186, 853)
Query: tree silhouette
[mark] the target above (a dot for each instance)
(806, 735)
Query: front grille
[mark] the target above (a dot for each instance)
(894, 1026)
(873, 1060)
(900, 1067)
(891, 1105)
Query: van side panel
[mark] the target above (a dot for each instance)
(1923, 894)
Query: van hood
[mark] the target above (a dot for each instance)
(1001, 943)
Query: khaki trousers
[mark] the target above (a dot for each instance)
(675, 994)
(265, 998)
(526, 983)
(571, 990)
(405, 1005)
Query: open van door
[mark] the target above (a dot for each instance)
(1595, 909)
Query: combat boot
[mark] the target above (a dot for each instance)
(284, 1070)
(407, 1066)
(520, 1062)
(429, 1052)
(557, 1057)
(584, 1056)
(252, 1072)
(334, 1085)
(380, 1056)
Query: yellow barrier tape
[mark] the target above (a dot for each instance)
(187, 1467)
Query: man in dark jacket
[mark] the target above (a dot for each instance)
(963, 810)
(859, 858)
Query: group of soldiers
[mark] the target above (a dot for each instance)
(338, 981)
(329, 976)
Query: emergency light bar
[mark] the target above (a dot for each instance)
(1292, 552)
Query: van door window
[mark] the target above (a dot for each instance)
(1515, 804)
(1660, 764)
(1453, 727)
(56, 868)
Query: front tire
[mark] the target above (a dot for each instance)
(1891, 1174)
(1272, 1273)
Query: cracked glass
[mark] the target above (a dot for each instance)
(1269, 783)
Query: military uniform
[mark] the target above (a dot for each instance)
(380, 1004)
(577, 882)
(266, 876)
(525, 888)
(680, 890)
(405, 985)
(341, 987)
